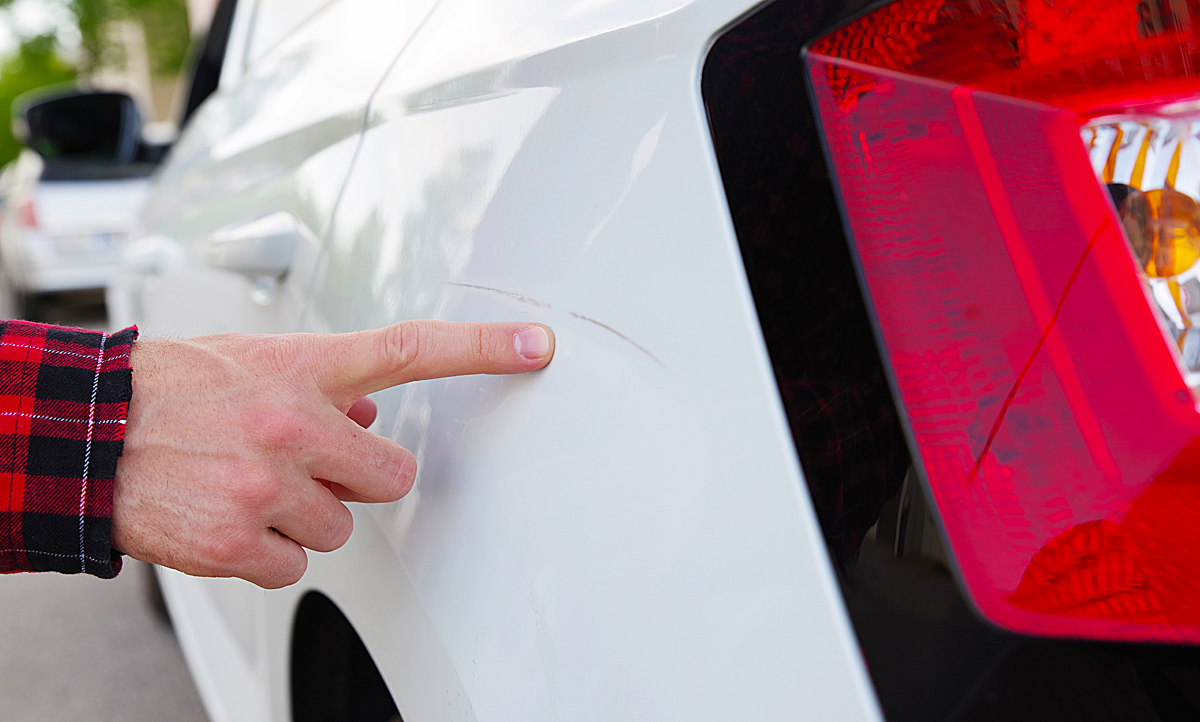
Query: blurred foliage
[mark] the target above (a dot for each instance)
(165, 23)
(39, 61)
(35, 64)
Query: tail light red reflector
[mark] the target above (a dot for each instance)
(1031, 342)
(27, 214)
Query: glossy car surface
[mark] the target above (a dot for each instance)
(625, 535)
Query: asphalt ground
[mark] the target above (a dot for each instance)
(80, 649)
(77, 648)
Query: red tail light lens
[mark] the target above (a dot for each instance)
(1036, 311)
(27, 215)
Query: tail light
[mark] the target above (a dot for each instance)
(1020, 180)
(27, 214)
(1151, 165)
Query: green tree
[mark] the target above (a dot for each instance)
(165, 23)
(35, 64)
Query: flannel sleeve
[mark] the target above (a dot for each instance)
(64, 395)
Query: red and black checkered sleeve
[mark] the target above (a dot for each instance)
(64, 395)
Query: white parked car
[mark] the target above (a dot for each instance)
(69, 217)
(704, 508)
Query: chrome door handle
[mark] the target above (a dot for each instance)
(261, 248)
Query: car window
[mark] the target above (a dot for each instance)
(206, 68)
(274, 20)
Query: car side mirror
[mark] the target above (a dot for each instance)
(88, 127)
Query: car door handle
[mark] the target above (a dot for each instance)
(260, 248)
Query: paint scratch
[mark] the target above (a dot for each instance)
(581, 317)
(510, 294)
(621, 336)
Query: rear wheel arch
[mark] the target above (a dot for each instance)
(332, 676)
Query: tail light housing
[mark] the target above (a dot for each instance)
(1033, 293)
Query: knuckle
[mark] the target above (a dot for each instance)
(339, 528)
(481, 348)
(401, 480)
(255, 492)
(286, 571)
(275, 425)
(402, 344)
(224, 552)
(388, 477)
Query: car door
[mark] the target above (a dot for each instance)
(231, 232)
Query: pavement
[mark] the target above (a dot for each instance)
(78, 648)
(75, 648)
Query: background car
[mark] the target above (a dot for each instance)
(710, 505)
(73, 205)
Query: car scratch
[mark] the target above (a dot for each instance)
(510, 294)
(621, 336)
(580, 316)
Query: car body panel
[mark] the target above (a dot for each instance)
(626, 534)
(209, 622)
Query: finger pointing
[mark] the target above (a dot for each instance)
(356, 364)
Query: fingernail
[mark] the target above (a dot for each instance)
(532, 343)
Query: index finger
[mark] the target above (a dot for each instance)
(355, 364)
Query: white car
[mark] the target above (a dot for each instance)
(704, 508)
(68, 219)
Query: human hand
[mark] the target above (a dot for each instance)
(239, 450)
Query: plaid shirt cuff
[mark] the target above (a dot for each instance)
(64, 395)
